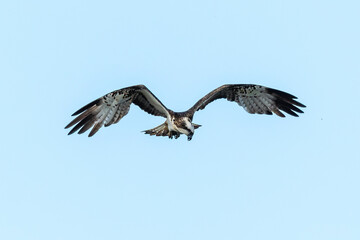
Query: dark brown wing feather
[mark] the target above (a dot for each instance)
(254, 99)
(110, 108)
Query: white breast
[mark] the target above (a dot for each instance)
(171, 125)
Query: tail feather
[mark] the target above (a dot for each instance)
(161, 130)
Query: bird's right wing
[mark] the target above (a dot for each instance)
(110, 108)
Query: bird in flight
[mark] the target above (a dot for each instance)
(110, 108)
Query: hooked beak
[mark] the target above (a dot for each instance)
(190, 136)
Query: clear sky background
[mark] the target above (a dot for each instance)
(241, 177)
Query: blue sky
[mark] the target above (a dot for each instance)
(241, 177)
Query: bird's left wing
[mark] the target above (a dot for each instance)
(110, 108)
(254, 99)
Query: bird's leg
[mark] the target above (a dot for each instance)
(177, 135)
(172, 134)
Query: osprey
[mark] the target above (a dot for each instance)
(110, 108)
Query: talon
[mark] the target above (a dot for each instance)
(172, 134)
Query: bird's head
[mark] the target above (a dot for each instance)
(187, 127)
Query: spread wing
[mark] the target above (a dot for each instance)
(110, 108)
(254, 99)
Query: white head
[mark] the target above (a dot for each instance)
(186, 127)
